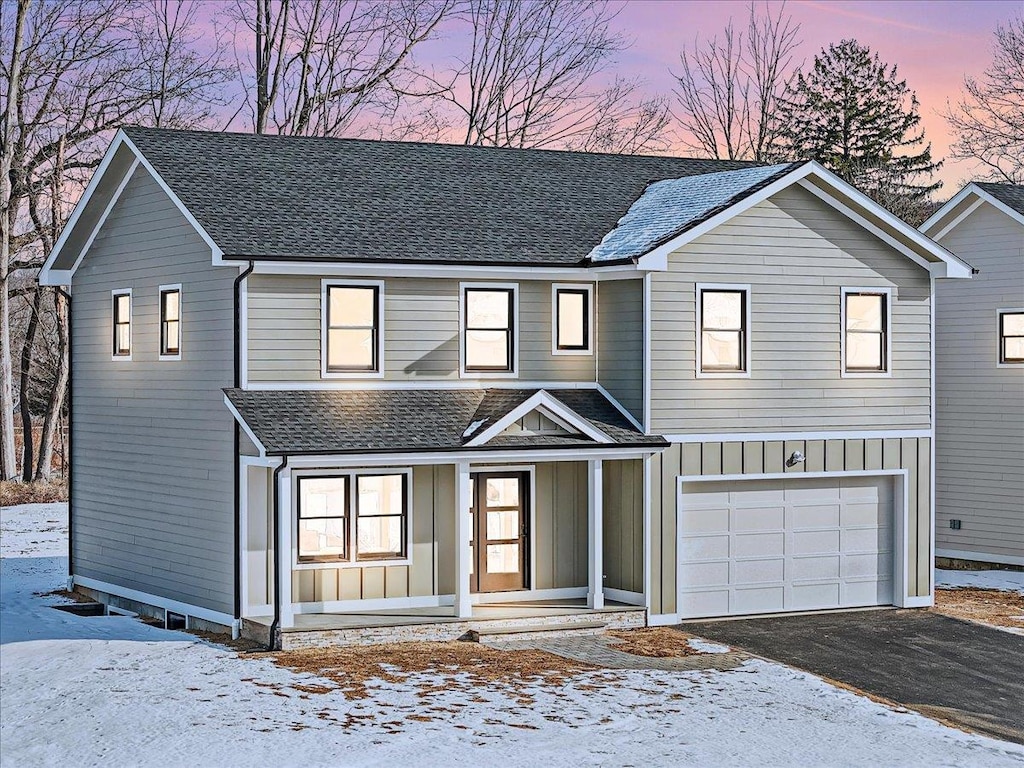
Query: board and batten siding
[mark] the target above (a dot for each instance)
(421, 331)
(152, 441)
(796, 253)
(756, 458)
(620, 342)
(623, 510)
(979, 438)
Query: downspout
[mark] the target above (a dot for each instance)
(237, 437)
(67, 454)
(275, 626)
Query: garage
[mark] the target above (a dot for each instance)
(769, 546)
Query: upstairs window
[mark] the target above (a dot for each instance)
(488, 329)
(122, 324)
(170, 322)
(572, 319)
(352, 329)
(866, 332)
(1011, 337)
(724, 321)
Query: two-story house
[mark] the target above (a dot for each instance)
(323, 387)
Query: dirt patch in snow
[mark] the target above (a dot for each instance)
(653, 642)
(40, 492)
(987, 606)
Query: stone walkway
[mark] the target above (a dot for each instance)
(600, 651)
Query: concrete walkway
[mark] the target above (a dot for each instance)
(600, 651)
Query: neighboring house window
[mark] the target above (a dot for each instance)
(724, 325)
(381, 516)
(170, 322)
(323, 519)
(489, 329)
(353, 328)
(572, 319)
(1011, 337)
(122, 317)
(866, 332)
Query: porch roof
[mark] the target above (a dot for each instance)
(319, 422)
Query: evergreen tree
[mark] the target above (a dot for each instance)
(853, 115)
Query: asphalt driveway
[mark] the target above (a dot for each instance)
(966, 673)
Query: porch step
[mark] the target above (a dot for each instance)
(495, 631)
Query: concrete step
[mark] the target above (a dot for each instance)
(553, 630)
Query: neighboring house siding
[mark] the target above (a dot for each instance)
(756, 458)
(979, 459)
(620, 350)
(421, 331)
(797, 254)
(152, 447)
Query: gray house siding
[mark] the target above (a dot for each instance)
(620, 337)
(152, 448)
(979, 450)
(796, 253)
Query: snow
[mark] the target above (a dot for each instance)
(114, 691)
(1012, 581)
(705, 646)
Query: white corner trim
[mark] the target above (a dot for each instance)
(590, 326)
(160, 319)
(646, 428)
(662, 619)
(245, 428)
(327, 283)
(544, 401)
(698, 330)
(186, 609)
(887, 373)
(516, 331)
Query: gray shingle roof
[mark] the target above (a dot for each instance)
(355, 200)
(408, 421)
(1010, 194)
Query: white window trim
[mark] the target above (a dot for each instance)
(160, 319)
(516, 330)
(334, 282)
(999, 338)
(589, 288)
(131, 325)
(747, 313)
(351, 473)
(887, 373)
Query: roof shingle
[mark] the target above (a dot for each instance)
(1009, 194)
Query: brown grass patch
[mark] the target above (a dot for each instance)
(654, 642)
(351, 668)
(987, 606)
(14, 494)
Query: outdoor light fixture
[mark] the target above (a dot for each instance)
(794, 459)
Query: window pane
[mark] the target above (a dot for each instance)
(487, 309)
(503, 524)
(171, 305)
(380, 536)
(380, 495)
(322, 537)
(124, 308)
(503, 558)
(171, 337)
(720, 349)
(322, 496)
(864, 350)
(503, 492)
(123, 337)
(1013, 349)
(350, 348)
(864, 313)
(722, 310)
(571, 319)
(1013, 324)
(487, 349)
(352, 306)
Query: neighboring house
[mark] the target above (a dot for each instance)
(323, 385)
(979, 371)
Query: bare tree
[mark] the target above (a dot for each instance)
(989, 120)
(729, 87)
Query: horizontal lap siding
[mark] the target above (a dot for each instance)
(421, 331)
(152, 441)
(979, 449)
(797, 254)
(620, 322)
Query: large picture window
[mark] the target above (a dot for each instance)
(1011, 337)
(170, 322)
(489, 332)
(572, 313)
(122, 324)
(352, 328)
(866, 341)
(323, 519)
(723, 330)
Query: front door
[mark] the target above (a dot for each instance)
(500, 531)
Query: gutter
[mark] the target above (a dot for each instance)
(237, 288)
(275, 625)
(71, 432)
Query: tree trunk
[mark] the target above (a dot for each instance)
(55, 406)
(27, 458)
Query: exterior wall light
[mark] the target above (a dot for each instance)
(795, 458)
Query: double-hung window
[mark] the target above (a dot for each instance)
(122, 324)
(170, 322)
(724, 342)
(323, 519)
(488, 329)
(865, 331)
(1011, 337)
(572, 319)
(381, 515)
(352, 328)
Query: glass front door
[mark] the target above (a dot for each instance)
(500, 531)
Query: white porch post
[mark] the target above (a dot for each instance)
(595, 518)
(284, 512)
(463, 540)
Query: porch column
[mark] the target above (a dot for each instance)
(463, 540)
(284, 519)
(595, 518)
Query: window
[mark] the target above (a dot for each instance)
(866, 333)
(122, 316)
(352, 329)
(572, 319)
(323, 519)
(170, 322)
(488, 329)
(724, 344)
(380, 507)
(1011, 337)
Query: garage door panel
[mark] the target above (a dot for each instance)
(866, 593)
(758, 600)
(754, 544)
(867, 540)
(813, 491)
(868, 565)
(705, 603)
(704, 548)
(861, 513)
(706, 574)
(714, 520)
(821, 567)
(814, 516)
(745, 572)
(759, 519)
(811, 597)
(814, 542)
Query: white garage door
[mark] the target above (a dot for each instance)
(766, 546)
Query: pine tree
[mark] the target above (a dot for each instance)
(854, 115)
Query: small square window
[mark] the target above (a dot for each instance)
(866, 332)
(489, 335)
(353, 329)
(122, 324)
(1011, 337)
(572, 319)
(723, 330)
(170, 322)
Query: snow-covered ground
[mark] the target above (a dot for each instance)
(1012, 581)
(112, 691)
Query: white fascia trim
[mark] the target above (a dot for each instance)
(103, 216)
(619, 407)
(970, 189)
(981, 557)
(245, 428)
(887, 373)
(978, 202)
(476, 458)
(186, 609)
(735, 437)
(591, 326)
(377, 384)
(545, 402)
(327, 283)
(340, 269)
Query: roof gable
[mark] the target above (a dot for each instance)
(1006, 198)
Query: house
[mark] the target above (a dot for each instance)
(323, 388)
(979, 459)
